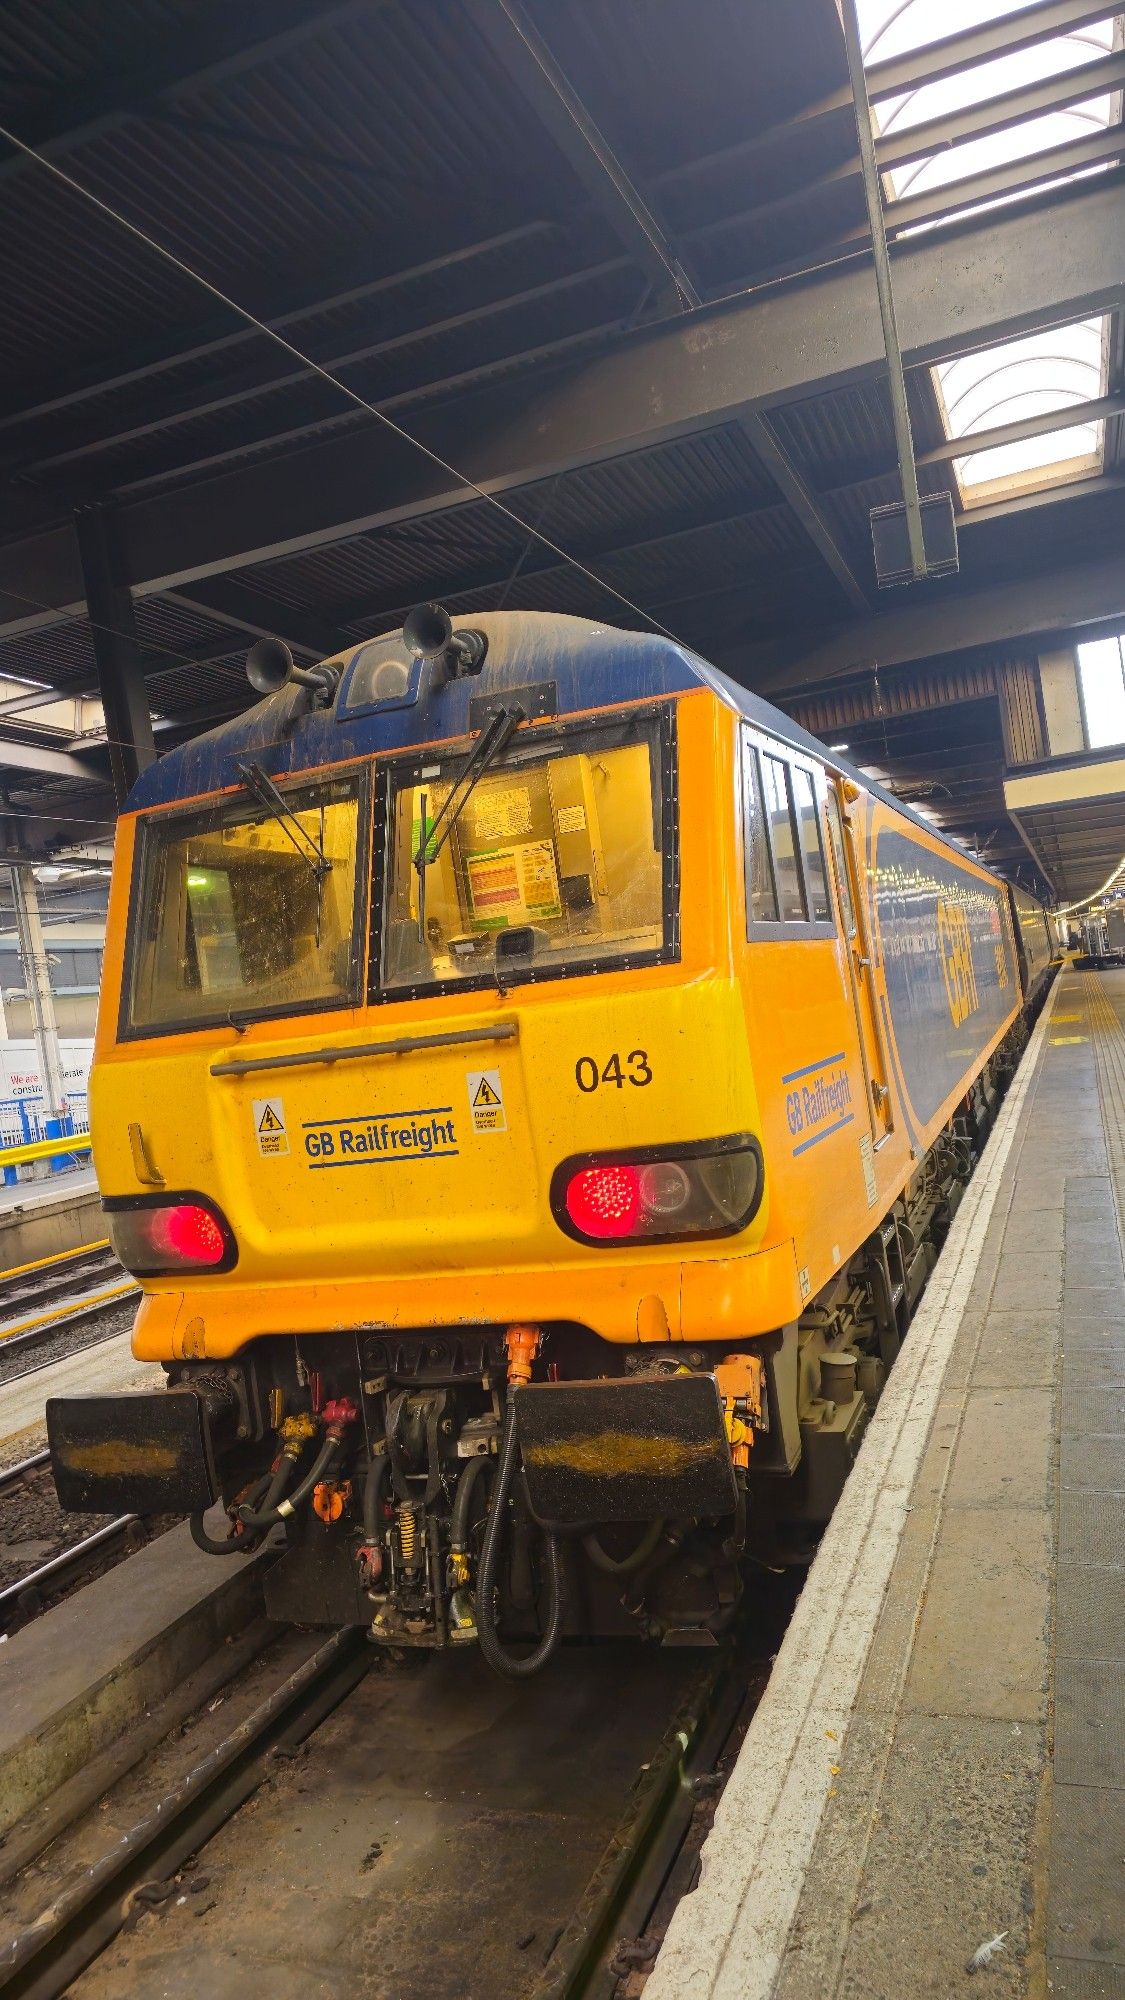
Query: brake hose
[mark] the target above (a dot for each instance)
(226, 1545)
(515, 1665)
(636, 1558)
(372, 1494)
(270, 1516)
(459, 1523)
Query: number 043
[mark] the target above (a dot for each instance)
(618, 1070)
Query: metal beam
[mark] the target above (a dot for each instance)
(253, 387)
(1041, 607)
(532, 68)
(993, 184)
(805, 505)
(327, 293)
(242, 611)
(233, 39)
(1025, 28)
(524, 55)
(121, 681)
(36, 760)
(998, 114)
(1095, 411)
(954, 292)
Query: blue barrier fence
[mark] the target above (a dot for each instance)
(24, 1120)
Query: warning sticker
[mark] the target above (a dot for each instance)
(486, 1100)
(269, 1124)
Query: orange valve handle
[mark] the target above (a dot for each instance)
(522, 1343)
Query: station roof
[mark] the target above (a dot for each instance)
(606, 263)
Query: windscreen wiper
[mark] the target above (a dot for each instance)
(265, 791)
(485, 751)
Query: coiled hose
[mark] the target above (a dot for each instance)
(516, 1666)
(272, 1513)
(625, 1565)
(232, 1544)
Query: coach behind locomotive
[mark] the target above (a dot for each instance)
(532, 1081)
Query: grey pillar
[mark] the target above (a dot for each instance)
(37, 979)
(121, 681)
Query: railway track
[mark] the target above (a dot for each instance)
(15, 1475)
(30, 1593)
(634, 1850)
(54, 1294)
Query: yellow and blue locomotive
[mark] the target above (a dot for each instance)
(533, 1079)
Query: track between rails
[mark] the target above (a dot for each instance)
(561, 1872)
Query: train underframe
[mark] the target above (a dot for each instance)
(513, 1486)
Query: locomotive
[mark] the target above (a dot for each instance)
(533, 1080)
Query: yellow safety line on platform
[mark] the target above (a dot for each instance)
(44, 1319)
(60, 1257)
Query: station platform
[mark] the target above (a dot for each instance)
(938, 1764)
(43, 1218)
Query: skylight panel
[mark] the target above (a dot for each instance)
(1101, 669)
(1060, 369)
(1044, 373)
(892, 28)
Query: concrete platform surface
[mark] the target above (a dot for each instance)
(33, 1194)
(42, 1218)
(79, 1676)
(93, 1371)
(939, 1761)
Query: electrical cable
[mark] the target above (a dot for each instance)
(515, 1666)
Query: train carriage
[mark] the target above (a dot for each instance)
(532, 1081)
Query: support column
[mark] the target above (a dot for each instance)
(121, 681)
(37, 979)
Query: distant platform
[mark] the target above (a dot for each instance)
(54, 1187)
(103, 1369)
(937, 1769)
(40, 1219)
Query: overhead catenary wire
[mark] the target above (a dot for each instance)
(353, 396)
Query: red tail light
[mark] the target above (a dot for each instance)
(605, 1201)
(660, 1194)
(162, 1237)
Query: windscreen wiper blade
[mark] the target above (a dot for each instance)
(265, 791)
(487, 748)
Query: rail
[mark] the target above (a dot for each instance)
(68, 1567)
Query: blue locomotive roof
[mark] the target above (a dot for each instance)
(591, 665)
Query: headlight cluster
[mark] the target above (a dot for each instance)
(158, 1238)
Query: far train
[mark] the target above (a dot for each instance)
(533, 1081)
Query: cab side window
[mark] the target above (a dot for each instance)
(761, 889)
(783, 840)
(811, 847)
(837, 835)
(783, 846)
